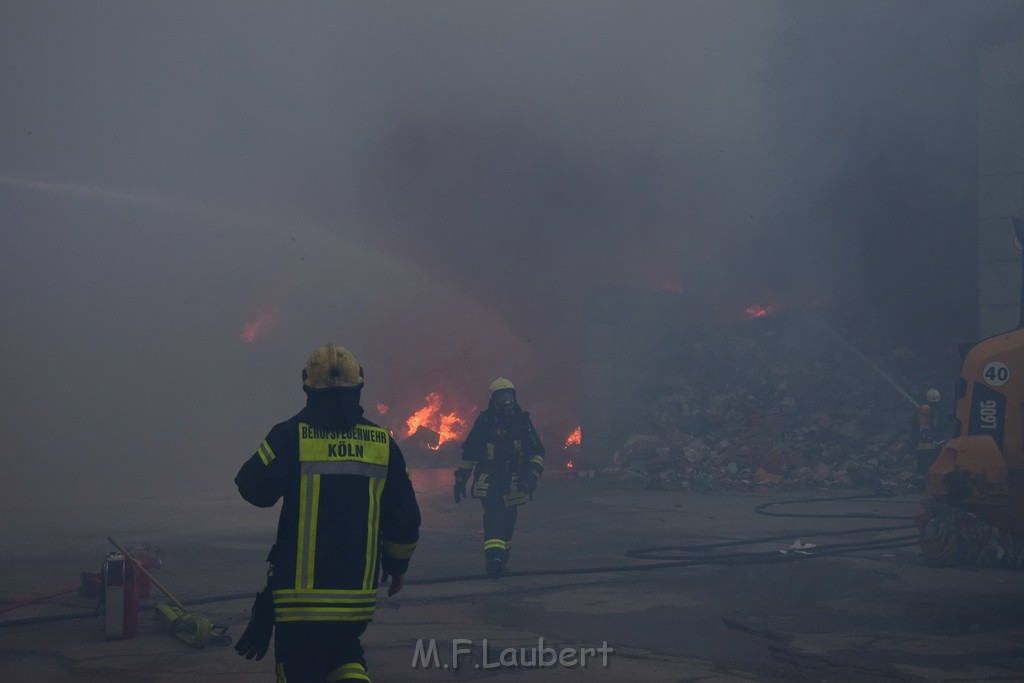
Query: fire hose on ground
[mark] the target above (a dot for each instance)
(659, 557)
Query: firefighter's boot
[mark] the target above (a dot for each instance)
(494, 568)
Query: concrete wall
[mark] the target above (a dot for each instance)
(1000, 185)
(629, 340)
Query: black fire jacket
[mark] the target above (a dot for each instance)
(501, 448)
(348, 508)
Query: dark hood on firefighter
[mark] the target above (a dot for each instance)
(334, 409)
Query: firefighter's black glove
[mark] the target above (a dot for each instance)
(461, 477)
(528, 482)
(253, 643)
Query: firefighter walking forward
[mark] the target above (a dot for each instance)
(349, 510)
(504, 457)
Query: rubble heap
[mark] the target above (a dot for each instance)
(953, 537)
(786, 401)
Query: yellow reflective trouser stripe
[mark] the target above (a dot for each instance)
(280, 674)
(539, 460)
(490, 451)
(372, 533)
(309, 502)
(497, 543)
(348, 672)
(266, 454)
(399, 551)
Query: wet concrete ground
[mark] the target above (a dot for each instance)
(869, 615)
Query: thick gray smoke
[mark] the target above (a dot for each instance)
(435, 185)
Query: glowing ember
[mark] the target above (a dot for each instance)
(382, 409)
(574, 438)
(258, 327)
(569, 465)
(448, 426)
(757, 311)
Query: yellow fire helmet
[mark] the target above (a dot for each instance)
(933, 396)
(499, 384)
(331, 367)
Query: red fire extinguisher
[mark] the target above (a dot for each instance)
(120, 598)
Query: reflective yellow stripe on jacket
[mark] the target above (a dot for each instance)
(362, 451)
(324, 605)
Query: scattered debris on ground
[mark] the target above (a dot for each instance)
(951, 536)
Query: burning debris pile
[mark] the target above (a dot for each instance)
(430, 436)
(783, 401)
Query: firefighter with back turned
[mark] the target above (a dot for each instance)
(349, 511)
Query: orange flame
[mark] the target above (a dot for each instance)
(258, 327)
(758, 311)
(569, 465)
(574, 438)
(448, 426)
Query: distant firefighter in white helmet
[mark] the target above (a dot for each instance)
(505, 459)
(928, 432)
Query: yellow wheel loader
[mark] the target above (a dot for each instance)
(974, 506)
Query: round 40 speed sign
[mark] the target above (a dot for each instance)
(996, 373)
